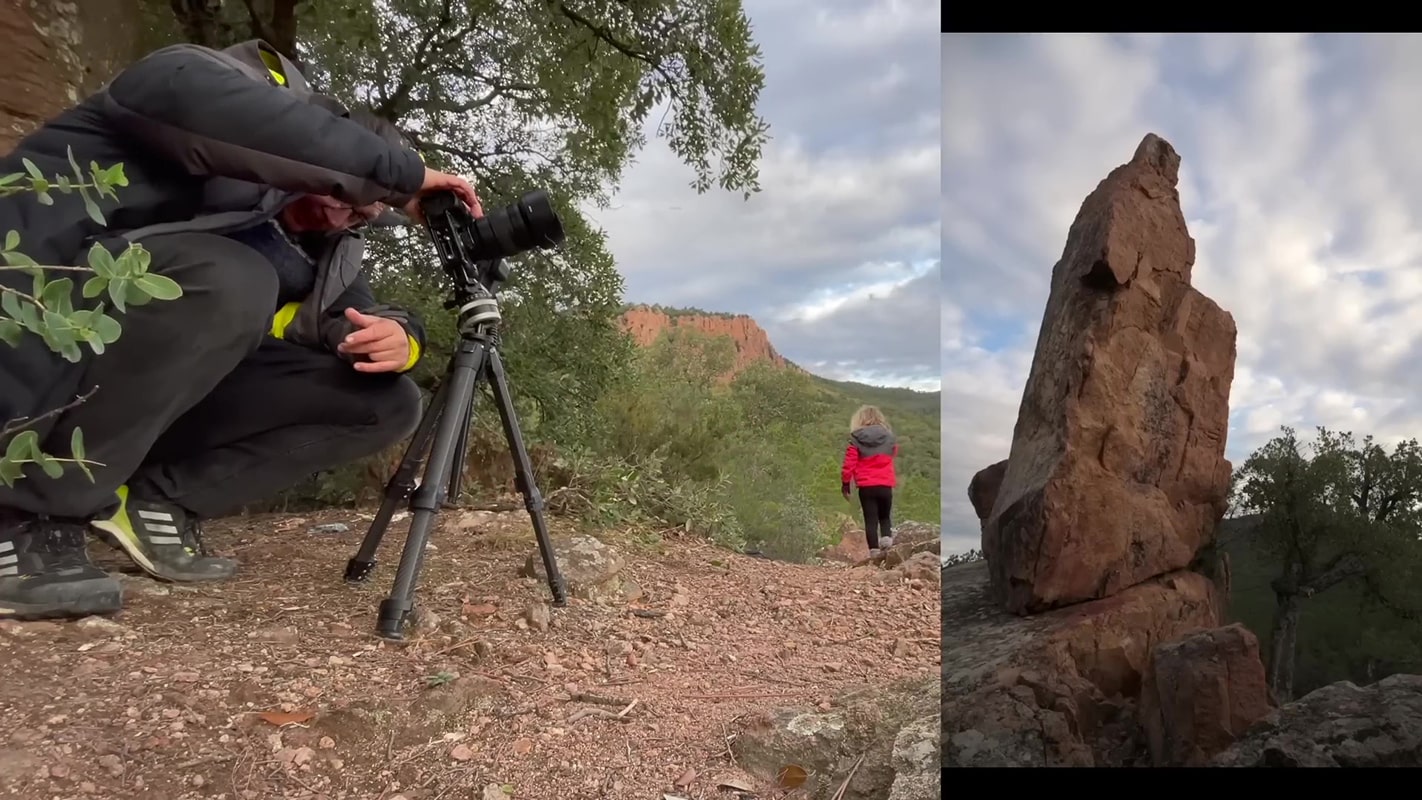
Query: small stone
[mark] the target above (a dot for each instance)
(461, 752)
(326, 743)
(538, 616)
(111, 764)
(331, 527)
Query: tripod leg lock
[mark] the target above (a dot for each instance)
(393, 615)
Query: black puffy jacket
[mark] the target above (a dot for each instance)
(210, 141)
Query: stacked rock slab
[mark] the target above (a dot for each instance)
(1117, 472)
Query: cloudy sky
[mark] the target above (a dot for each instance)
(837, 256)
(1301, 183)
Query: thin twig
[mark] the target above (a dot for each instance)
(844, 787)
(754, 696)
(20, 424)
(16, 267)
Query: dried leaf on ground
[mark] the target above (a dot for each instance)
(792, 776)
(300, 716)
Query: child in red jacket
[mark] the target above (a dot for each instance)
(869, 464)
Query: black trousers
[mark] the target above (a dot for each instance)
(876, 502)
(196, 405)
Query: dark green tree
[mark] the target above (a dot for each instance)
(1332, 512)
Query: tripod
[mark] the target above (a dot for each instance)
(443, 435)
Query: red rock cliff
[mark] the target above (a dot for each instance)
(645, 324)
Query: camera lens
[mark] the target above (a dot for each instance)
(528, 223)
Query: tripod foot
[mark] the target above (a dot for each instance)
(393, 614)
(559, 589)
(358, 571)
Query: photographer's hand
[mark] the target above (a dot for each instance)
(436, 181)
(382, 341)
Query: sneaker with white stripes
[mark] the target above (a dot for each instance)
(163, 539)
(45, 572)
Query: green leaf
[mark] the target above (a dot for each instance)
(114, 175)
(94, 287)
(54, 293)
(76, 445)
(63, 185)
(12, 240)
(11, 304)
(70, 352)
(11, 332)
(95, 342)
(108, 328)
(118, 291)
(30, 317)
(43, 197)
(74, 164)
(101, 261)
(52, 468)
(57, 296)
(17, 259)
(161, 287)
(142, 259)
(91, 208)
(23, 447)
(10, 472)
(6, 180)
(136, 295)
(32, 169)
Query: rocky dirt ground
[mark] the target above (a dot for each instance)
(274, 685)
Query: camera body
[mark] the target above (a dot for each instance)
(472, 250)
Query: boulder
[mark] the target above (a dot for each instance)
(894, 728)
(1060, 688)
(591, 568)
(1117, 473)
(1339, 725)
(1201, 694)
(983, 488)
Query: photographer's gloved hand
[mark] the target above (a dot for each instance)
(436, 181)
(383, 342)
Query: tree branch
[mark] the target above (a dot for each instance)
(601, 32)
(394, 105)
(1341, 568)
(17, 425)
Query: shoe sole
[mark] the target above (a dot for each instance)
(116, 536)
(108, 599)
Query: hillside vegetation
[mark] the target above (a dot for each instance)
(751, 464)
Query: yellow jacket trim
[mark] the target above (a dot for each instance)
(274, 67)
(414, 355)
(283, 318)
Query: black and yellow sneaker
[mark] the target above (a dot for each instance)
(45, 572)
(163, 539)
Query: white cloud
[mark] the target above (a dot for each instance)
(1301, 183)
(847, 208)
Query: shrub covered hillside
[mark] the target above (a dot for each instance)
(670, 447)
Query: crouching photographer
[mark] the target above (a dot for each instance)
(250, 191)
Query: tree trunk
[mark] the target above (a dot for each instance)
(201, 21)
(1283, 645)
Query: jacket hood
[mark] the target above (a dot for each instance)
(872, 436)
(259, 54)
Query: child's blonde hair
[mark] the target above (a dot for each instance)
(866, 416)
